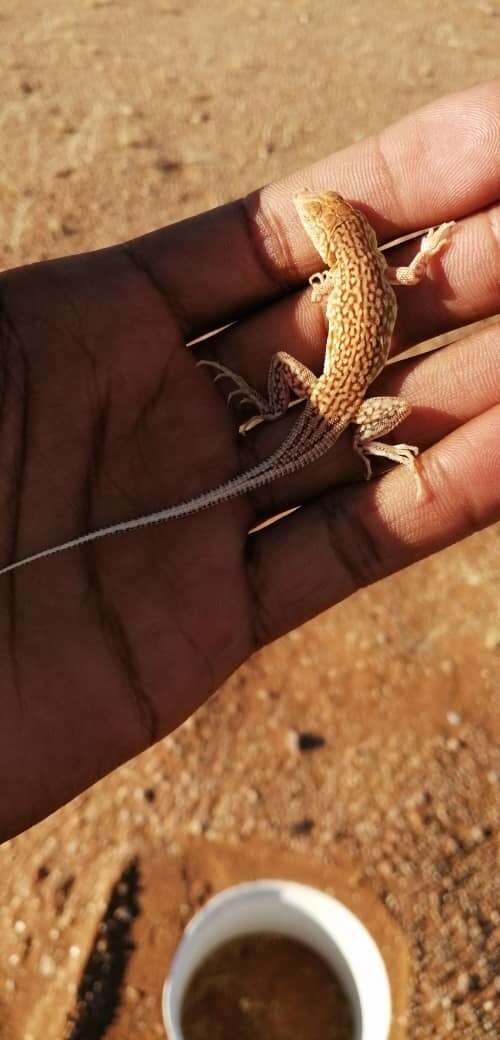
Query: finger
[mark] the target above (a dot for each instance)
(461, 286)
(446, 389)
(436, 164)
(351, 537)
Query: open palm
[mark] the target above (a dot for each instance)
(105, 416)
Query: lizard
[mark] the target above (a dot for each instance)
(361, 310)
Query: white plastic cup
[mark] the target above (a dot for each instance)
(300, 912)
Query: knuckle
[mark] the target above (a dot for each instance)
(269, 240)
(354, 542)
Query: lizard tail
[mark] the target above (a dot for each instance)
(257, 476)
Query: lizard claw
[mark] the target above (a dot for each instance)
(239, 390)
(249, 425)
(437, 239)
(320, 283)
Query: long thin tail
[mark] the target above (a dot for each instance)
(257, 476)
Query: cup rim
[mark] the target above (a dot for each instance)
(358, 961)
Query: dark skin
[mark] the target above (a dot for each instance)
(104, 416)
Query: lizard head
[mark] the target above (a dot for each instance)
(320, 215)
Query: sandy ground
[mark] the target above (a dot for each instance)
(116, 118)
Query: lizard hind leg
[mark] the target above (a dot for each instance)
(286, 376)
(377, 417)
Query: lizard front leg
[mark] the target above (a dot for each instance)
(377, 417)
(433, 243)
(322, 283)
(286, 376)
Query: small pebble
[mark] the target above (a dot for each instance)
(453, 718)
(122, 913)
(310, 741)
(492, 639)
(463, 983)
(20, 927)
(304, 826)
(47, 965)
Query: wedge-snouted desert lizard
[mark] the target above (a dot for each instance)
(361, 311)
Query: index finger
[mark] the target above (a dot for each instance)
(439, 163)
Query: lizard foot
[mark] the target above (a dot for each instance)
(434, 242)
(250, 396)
(321, 284)
(437, 239)
(261, 417)
(404, 454)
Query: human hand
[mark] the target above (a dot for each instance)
(105, 416)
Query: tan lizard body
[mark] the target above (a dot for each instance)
(361, 311)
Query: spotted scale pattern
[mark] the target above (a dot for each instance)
(361, 307)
